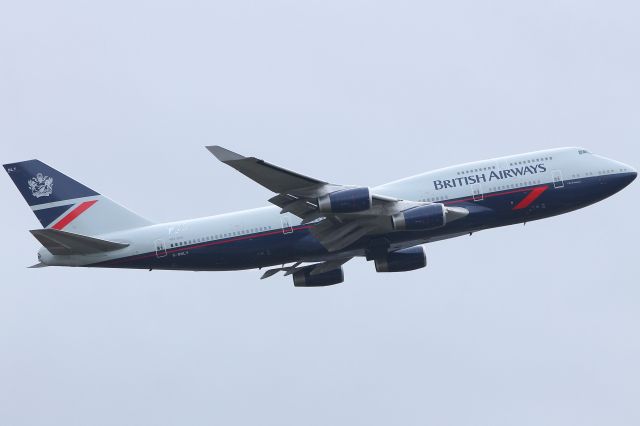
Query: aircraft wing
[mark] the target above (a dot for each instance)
(302, 196)
(272, 177)
(290, 186)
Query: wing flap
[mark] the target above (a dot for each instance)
(316, 268)
(300, 207)
(335, 235)
(329, 265)
(348, 239)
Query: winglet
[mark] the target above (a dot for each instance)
(224, 154)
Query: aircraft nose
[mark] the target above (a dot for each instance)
(627, 173)
(631, 173)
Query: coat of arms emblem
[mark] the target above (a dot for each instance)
(41, 185)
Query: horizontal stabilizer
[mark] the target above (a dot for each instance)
(67, 243)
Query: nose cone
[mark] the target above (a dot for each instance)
(630, 177)
(629, 173)
(624, 176)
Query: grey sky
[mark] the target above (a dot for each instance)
(523, 325)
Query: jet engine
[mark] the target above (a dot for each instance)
(431, 216)
(402, 260)
(345, 201)
(304, 278)
(424, 218)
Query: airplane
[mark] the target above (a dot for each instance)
(314, 227)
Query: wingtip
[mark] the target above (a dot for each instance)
(224, 154)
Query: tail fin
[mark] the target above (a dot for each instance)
(60, 202)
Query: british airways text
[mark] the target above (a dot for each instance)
(488, 177)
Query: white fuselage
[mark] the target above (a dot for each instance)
(563, 166)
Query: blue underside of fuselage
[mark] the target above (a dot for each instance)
(507, 207)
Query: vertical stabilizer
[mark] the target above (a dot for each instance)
(62, 203)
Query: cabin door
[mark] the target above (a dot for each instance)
(557, 179)
(161, 249)
(286, 226)
(478, 194)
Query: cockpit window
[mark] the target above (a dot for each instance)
(583, 151)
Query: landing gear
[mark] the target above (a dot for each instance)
(377, 248)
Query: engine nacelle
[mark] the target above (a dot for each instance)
(346, 201)
(303, 277)
(420, 218)
(402, 260)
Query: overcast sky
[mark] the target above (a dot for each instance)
(517, 326)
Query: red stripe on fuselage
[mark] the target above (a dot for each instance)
(491, 195)
(530, 198)
(279, 231)
(70, 217)
(207, 244)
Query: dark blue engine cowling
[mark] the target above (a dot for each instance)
(431, 216)
(402, 260)
(303, 277)
(346, 201)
